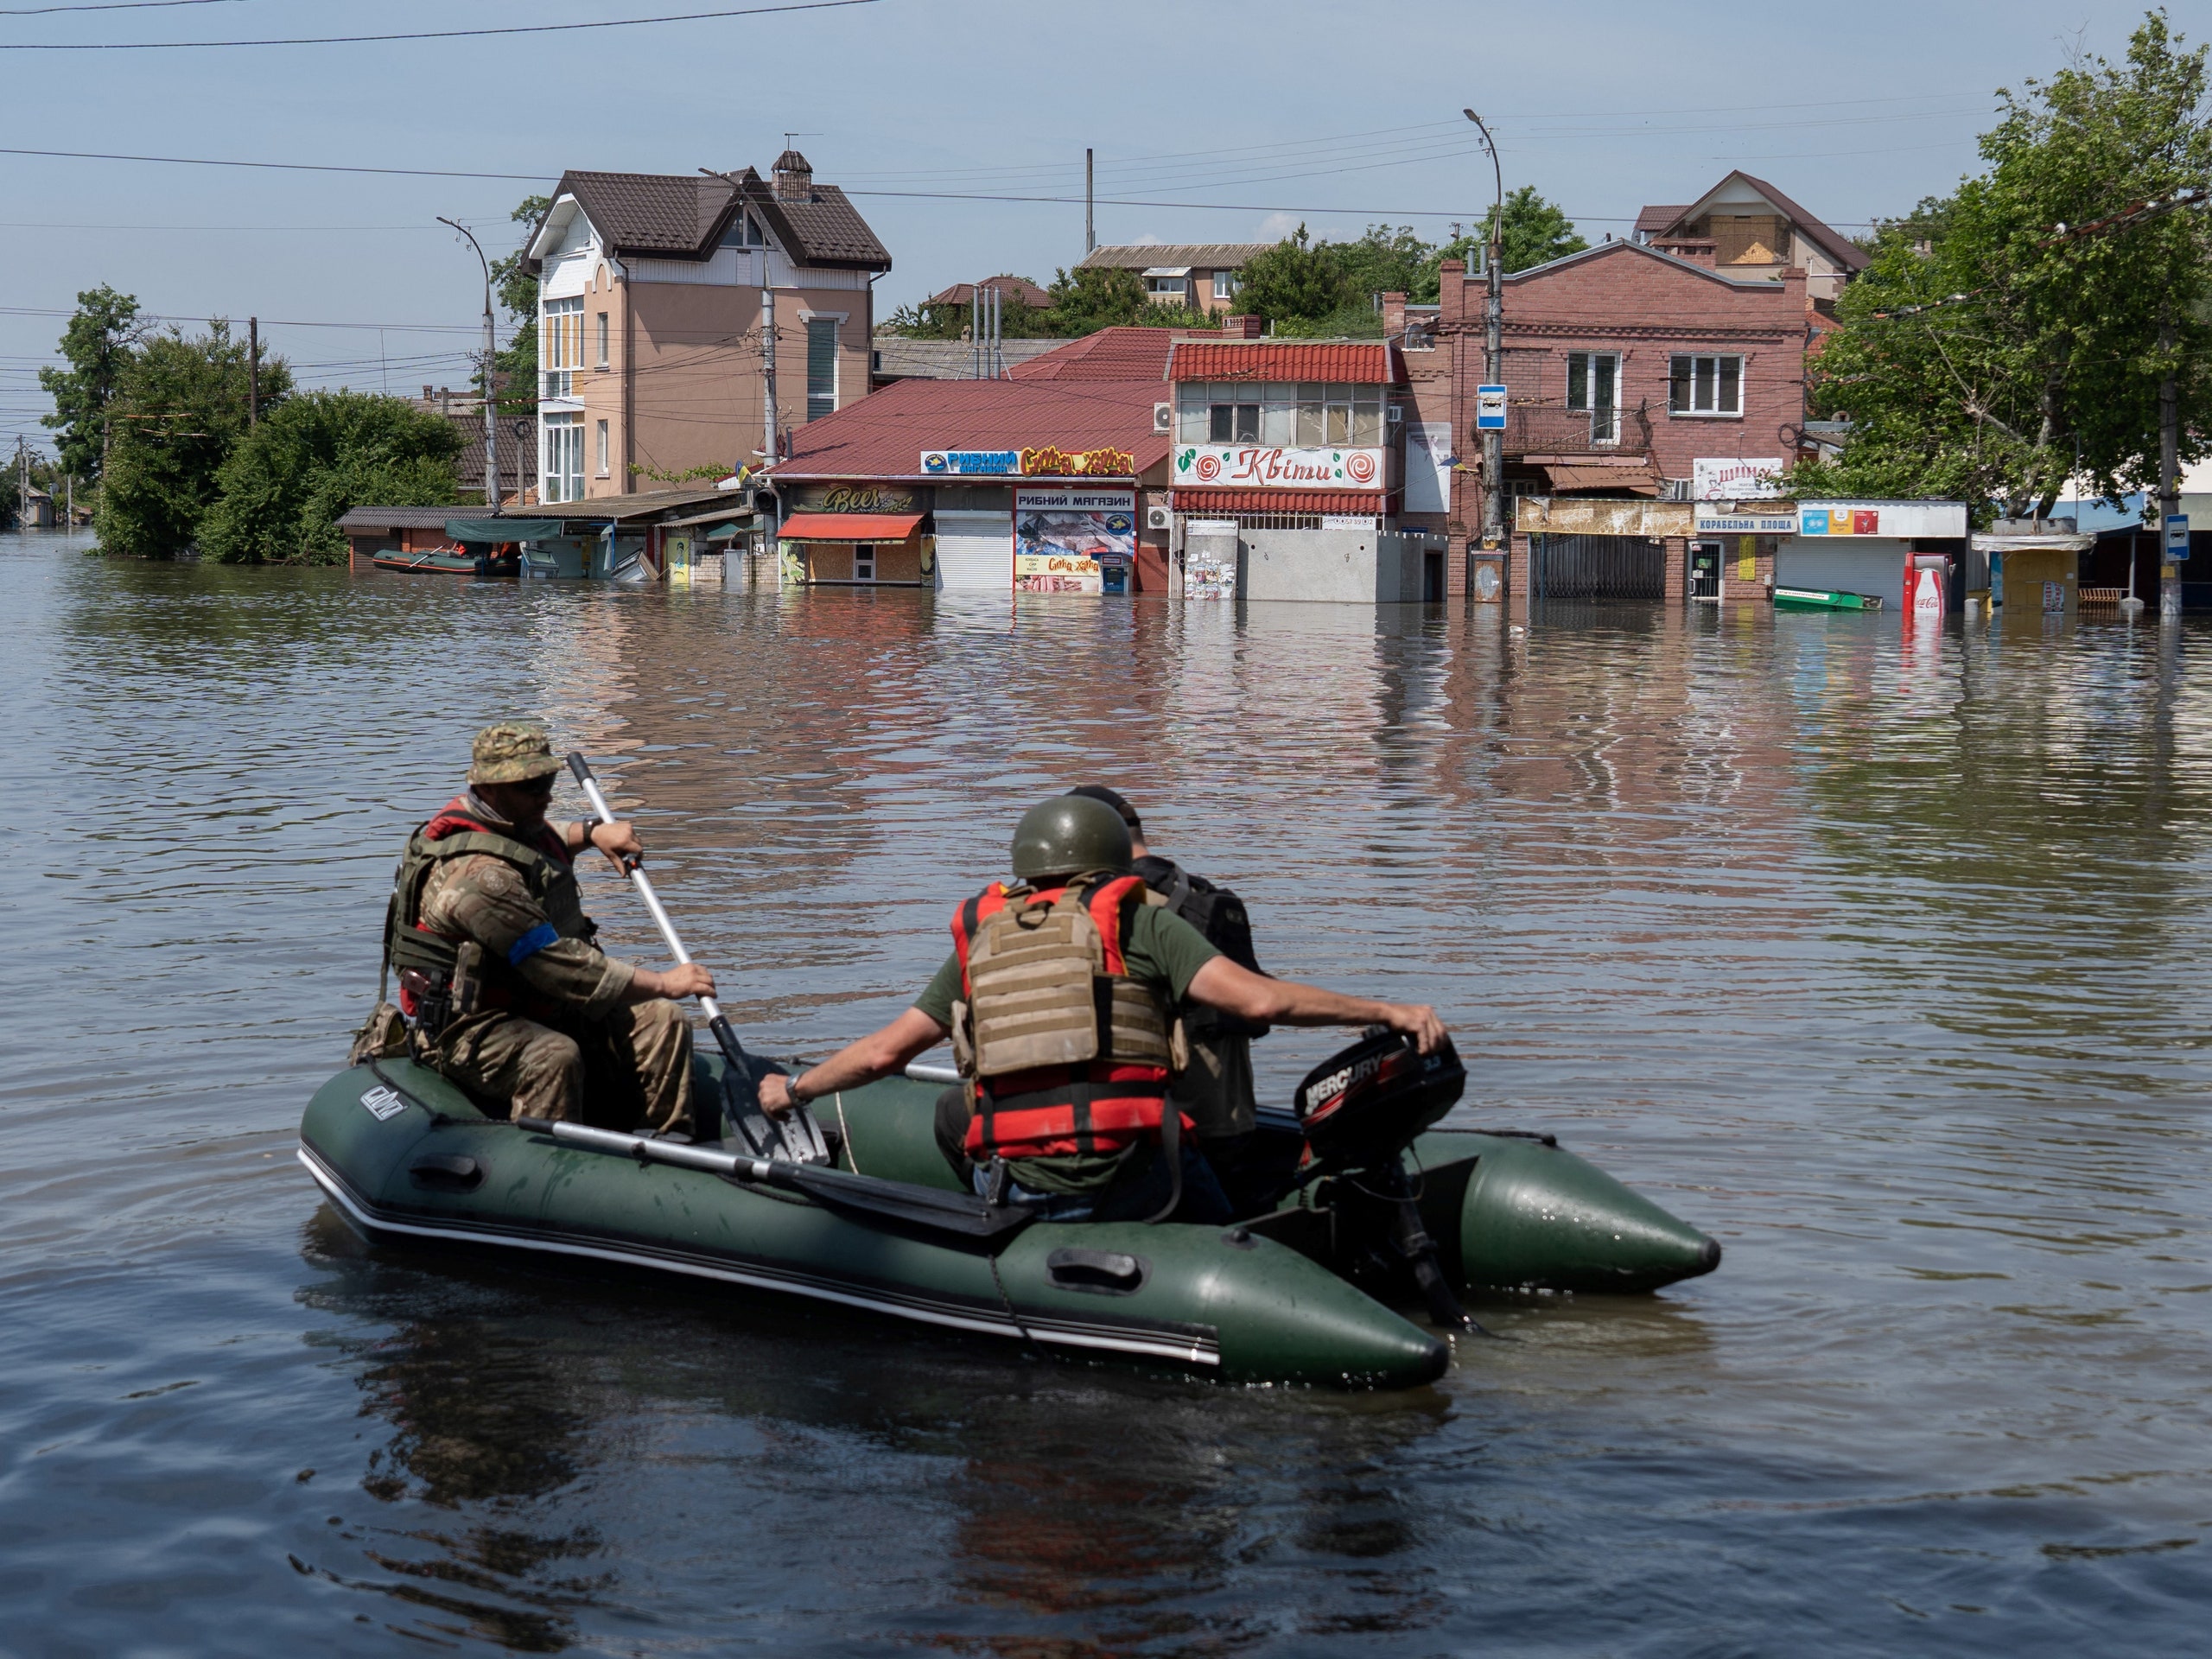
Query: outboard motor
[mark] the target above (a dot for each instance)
(1360, 1109)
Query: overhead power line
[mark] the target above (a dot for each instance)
(108, 5)
(426, 34)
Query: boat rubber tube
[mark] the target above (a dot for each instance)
(404, 1154)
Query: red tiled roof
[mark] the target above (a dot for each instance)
(1362, 502)
(1124, 353)
(1017, 290)
(884, 434)
(1367, 361)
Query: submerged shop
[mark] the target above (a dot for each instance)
(1286, 465)
(1036, 520)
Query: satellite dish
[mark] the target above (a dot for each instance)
(520, 429)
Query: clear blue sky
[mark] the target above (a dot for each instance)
(1278, 110)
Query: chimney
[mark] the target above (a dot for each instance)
(1452, 289)
(426, 394)
(794, 178)
(1243, 328)
(1394, 314)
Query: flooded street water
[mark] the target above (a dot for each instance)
(1881, 959)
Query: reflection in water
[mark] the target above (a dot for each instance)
(1876, 958)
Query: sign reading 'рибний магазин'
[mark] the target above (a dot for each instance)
(1252, 467)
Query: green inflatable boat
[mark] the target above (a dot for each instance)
(1308, 1293)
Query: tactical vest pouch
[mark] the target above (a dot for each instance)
(384, 1036)
(964, 1042)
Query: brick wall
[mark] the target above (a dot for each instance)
(1625, 299)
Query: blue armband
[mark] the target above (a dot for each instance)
(531, 943)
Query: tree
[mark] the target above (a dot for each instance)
(98, 344)
(179, 409)
(2014, 353)
(1092, 297)
(1295, 281)
(286, 483)
(1536, 232)
(518, 291)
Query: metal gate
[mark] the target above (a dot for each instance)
(1598, 567)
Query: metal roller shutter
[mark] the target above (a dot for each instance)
(974, 552)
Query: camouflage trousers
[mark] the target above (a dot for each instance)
(631, 1071)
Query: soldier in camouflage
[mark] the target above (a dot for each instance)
(510, 997)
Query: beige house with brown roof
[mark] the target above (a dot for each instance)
(1201, 275)
(652, 292)
(1749, 228)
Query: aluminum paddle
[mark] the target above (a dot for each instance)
(793, 1137)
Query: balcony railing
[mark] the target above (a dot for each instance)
(1535, 430)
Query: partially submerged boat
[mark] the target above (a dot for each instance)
(502, 560)
(1310, 1293)
(1814, 598)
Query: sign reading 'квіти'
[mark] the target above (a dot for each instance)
(1250, 467)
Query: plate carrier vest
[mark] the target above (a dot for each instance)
(546, 866)
(1061, 1051)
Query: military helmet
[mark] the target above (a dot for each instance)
(1070, 835)
(512, 752)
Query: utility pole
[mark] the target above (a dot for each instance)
(253, 372)
(1090, 222)
(490, 365)
(1493, 347)
(768, 374)
(2169, 472)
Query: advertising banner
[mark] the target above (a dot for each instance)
(1891, 519)
(1715, 477)
(966, 462)
(1249, 467)
(1069, 540)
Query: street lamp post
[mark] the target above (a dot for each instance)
(491, 427)
(1493, 349)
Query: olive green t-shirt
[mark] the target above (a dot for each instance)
(1162, 951)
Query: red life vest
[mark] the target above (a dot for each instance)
(1101, 1105)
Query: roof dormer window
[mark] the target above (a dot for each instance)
(744, 232)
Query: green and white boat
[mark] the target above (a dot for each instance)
(1814, 598)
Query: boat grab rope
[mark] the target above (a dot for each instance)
(1006, 1302)
(852, 1152)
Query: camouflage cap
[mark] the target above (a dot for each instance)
(512, 752)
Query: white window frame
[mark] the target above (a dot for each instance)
(1168, 288)
(1705, 383)
(599, 445)
(561, 458)
(600, 327)
(1224, 284)
(1605, 418)
(560, 346)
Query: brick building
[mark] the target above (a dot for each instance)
(1632, 373)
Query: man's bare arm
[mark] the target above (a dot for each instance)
(1222, 984)
(876, 1055)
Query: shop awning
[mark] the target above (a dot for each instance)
(849, 526)
(1614, 481)
(502, 530)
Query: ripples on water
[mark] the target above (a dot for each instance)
(1879, 959)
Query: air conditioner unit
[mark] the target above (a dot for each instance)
(1159, 518)
(1163, 418)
